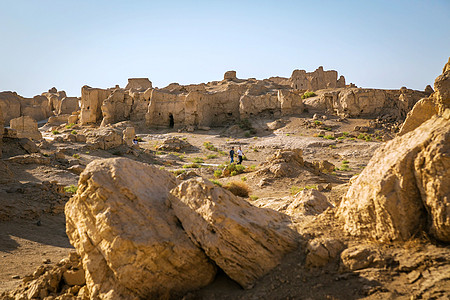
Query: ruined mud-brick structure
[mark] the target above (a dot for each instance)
(216, 103)
(230, 100)
(317, 80)
(40, 107)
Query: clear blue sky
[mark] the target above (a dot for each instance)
(70, 43)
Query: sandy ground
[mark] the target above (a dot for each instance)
(29, 240)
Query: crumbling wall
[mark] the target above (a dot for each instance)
(319, 79)
(91, 103)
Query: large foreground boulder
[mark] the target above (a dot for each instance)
(243, 240)
(405, 187)
(129, 240)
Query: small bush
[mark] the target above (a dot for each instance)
(341, 138)
(327, 128)
(232, 170)
(308, 95)
(162, 168)
(223, 153)
(345, 133)
(178, 172)
(243, 178)
(73, 132)
(361, 136)
(317, 123)
(311, 187)
(238, 188)
(329, 137)
(252, 168)
(345, 162)
(216, 182)
(197, 160)
(55, 131)
(68, 126)
(332, 146)
(218, 173)
(295, 189)
(159, 153)
(210, 146)
(193, 165)
(288, 134)
(211, 156)
(77, 156)
(254, 198)
(245, 124)
(71, 189)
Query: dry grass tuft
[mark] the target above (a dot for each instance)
(239, 188)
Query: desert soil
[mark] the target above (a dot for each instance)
(32, 231)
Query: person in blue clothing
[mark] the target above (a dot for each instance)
(232, 155)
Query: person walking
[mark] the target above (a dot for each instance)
(240, 155)
(232, 155)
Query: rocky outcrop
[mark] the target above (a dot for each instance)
(308, 202)
(128, 238)
(436, 103)
(174, 144)
(284, 163)
(404, 188)
(26, 127)
(104, 138)
(244, 241)
(65, 280)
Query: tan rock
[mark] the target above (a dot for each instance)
(308, 202)
(74, 277)
(104, 138)
(284, 163)
(128, 135)
(323, 166)
(319, 252)
(421, 112)
(174, 144)
(229, 75)
(244, 241)
(72, 119)
(138, 84)
(405, 183)
(129, 241)
(26, 127)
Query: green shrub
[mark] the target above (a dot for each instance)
(210, 146)
(55, 131)
(245, 124)
(193, 165)
(317, 123)
(243, 178)
(329, 137)
(77, 156)
(345, 133)
(162, 168)
(159, 153)
(295, 189)
(233, 173)
(211, 156)
(68, 126)
(216, 182)
(232, 170)
(197, 160)
(217, 173)
(139, 139)
(308, 95)
(332, 146)
(341, 138)
(254, 198)
(247, 134)
(178, 172)
(71, 189)
(73, 132)
(311, 187)
(327, 128)
(361, 136)
(345, 162)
